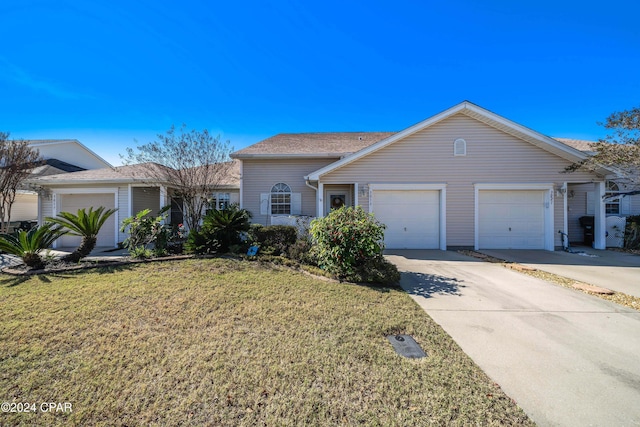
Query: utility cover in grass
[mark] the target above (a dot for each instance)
(406, 346)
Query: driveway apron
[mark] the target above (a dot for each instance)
(565, 357)
(613, 270)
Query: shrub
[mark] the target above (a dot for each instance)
(221, 229)
(632, 232)
(200, 242)
(144, 231)
(349, 243)
(28, 244)
(302, 252)
(140, 252)
(274, 239)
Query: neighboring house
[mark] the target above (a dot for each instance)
(59, 156)
(464, 178)
(129, 189)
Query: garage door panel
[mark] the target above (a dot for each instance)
(511, 219)
(412, 218)
(73, 202)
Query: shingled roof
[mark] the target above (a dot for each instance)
(336, 144)
(318, 144)
(131, 174)
(578, 144)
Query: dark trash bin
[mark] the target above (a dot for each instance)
(587, 223)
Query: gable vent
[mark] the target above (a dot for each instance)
(459, 147)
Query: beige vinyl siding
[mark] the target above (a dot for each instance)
(258, 176)
(492, 156)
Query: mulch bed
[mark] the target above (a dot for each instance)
(60, 266)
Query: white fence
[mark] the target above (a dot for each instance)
(301, 222)
(615, 231)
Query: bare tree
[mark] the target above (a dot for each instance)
(194, 164)
(17, 160)
(620, 150)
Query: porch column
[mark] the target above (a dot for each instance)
(600, 224)
(355, 194)
(565, 211)
(163, 200)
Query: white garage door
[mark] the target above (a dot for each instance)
(25, 207)
(412, 218)
(511, 219)
(73, 202)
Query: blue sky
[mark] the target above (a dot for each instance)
(112, 72)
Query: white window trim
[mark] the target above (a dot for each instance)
(614, 202)
(217, 196)
(271, 193)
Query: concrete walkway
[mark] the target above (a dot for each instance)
(565, 357)
(618, 271)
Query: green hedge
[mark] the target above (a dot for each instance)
(273, 239)
(632, 232)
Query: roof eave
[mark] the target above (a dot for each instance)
(289, 156)
(95, 181)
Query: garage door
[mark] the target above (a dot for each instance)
(511, 219)
(25, 207)
(412, 218)
(73, 202)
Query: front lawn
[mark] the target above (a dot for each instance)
(224, 342)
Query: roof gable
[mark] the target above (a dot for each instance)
(471, 110)
(69, 150)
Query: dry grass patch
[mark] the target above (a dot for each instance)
(223, 342)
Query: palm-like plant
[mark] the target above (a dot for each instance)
(227, 224)
(28, 244)
(84, 224)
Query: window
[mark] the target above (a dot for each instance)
(459, 147)
(280, 199)
(176, 211)
(220, 200)
(612, 207)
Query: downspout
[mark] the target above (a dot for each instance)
(308, 184)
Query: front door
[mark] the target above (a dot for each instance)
(335, 198)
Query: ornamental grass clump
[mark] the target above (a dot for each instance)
(348, 243)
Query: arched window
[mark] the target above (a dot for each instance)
(281, 199)
(459, 147)
(612, 206)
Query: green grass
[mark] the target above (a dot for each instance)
(225, 342)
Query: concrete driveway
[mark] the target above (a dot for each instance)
(567, 358)
(613, 270)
